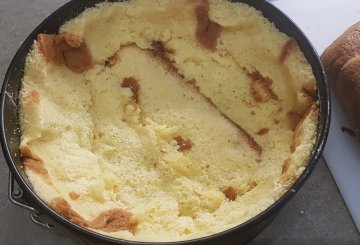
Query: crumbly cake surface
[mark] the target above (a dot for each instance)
(166, 120)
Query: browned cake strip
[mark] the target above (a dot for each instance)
(160, 51)
(108, 221)
(65, 49)
(260, 87)
(286, 166)
(207, 32)
(37, 166)
(115, 220)
(290, 46)
(62, 207)
(26, 152)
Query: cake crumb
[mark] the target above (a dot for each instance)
(348, 131)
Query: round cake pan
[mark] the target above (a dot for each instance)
(43, 215)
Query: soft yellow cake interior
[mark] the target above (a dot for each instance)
(244, 111)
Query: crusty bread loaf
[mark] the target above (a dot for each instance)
(166, 120)
(342, 65)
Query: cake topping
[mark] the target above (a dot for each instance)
(65, 49)
(184, 144)
(133, 85)
(207, 32)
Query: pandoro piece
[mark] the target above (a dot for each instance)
(342, 65)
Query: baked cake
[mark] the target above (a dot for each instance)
(166, 120)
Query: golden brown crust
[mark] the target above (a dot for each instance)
(33, 163)
(207, 32)
(344, 48)
(108, 221)
(65, 49)
(62, 207)
(115, 220)
(342, 65)
(36, 166)
(26, 152)
(348, 89)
